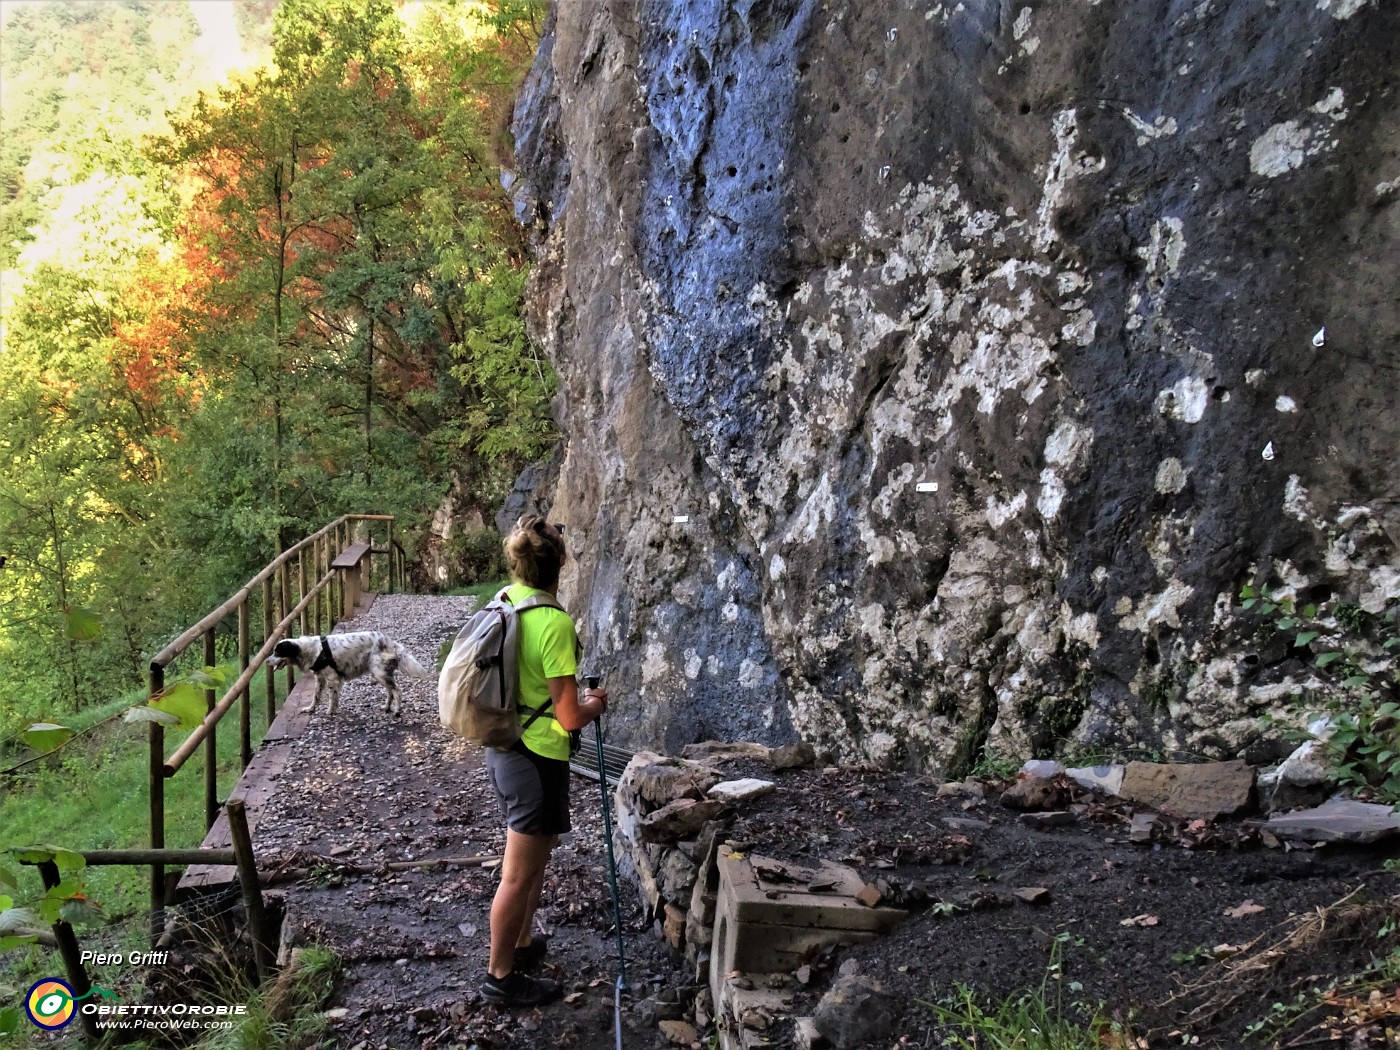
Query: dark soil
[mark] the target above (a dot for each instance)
(366, 788)
(1129, 929)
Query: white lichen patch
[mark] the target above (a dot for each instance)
(750, 674)
(1295, 501)
(1068, 444)
(1083, 628)
(1065, 165)
(1163, 252)
(1280, 149)
(1020, 30)
(1159, 127)
(1052, 494)
(1153, 609)
(896, 481)
(654, 663)
(1288, 145)
(1341, 9)
(999, 512)
(1080, 329)
(1186, 400)
(1333, 105)
(881, 548)
(1171, 476)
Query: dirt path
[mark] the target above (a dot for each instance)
(369, 788)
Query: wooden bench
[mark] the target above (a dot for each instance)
(350, 562)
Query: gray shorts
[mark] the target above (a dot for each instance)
(533, 790)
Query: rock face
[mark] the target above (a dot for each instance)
(933, 375)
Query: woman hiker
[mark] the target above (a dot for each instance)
(532, 778)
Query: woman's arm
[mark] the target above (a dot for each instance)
(572, 711)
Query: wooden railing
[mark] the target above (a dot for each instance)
(292, 602)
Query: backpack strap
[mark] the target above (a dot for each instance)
(534, 601)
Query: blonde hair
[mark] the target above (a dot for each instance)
(534, 553)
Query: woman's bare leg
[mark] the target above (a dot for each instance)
(513, 907)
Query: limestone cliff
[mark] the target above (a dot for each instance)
(986, 349)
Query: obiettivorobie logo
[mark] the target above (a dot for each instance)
(51, 1003)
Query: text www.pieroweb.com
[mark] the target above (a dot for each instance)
(129, 1016)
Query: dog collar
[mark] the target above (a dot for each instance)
(324, 658)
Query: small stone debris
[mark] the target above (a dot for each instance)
(658, 1008)
(679, 819)
(1056, 818)
(793, 756)
(1144, 826)
(1208, 790)
(681, 1033)
(870, 895)
(857, 1010)
(1140, 920)
(1032, 894)
(1337, 820)
(808, 1036)
(1035, 793)
(1246, 907)
(734, 791)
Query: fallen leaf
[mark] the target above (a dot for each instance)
(1140, 920)
(1247, 908)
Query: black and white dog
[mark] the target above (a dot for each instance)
(337, 658)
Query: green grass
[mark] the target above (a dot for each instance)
(284, 1015)
(1036, 1019)
(93, 794)
(483, 592)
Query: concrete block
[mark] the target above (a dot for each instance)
(770, 914)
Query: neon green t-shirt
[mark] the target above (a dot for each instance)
(548, 649)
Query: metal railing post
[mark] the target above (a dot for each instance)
(211, 752)
(72, 956)
(155, 736)
(245, 702)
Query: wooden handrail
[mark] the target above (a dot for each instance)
(183, 752)
(182, 642)
(274, 579)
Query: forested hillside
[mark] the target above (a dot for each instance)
(231, 315)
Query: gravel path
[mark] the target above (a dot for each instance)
(366, 788)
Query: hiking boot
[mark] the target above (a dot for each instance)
(519, 989)
(531, 955)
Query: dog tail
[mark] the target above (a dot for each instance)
(412, 666)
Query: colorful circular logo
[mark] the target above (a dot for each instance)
(50, 1003)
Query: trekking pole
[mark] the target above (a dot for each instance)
(592, 682)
